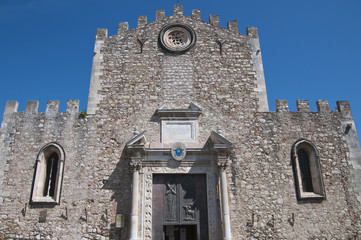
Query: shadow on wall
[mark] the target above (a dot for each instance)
(119, 182)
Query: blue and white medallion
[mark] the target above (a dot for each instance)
(178, 151)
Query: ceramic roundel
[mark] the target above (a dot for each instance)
(178, 151)
(177, 38)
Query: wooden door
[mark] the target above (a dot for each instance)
(180, 202)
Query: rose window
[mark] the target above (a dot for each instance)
(177, 38)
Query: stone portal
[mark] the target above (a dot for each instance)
(180, 207)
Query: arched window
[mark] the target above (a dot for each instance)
(307, 170)
(48, 174)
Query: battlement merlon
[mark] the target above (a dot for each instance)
(102, 34)
(52, 107)
(159, 14)
(11, 107)
(32, 107)
(72, 106)
(196, 14)
(345, 109)
(252, 32)
(303, 106)
(322, 106)
(214, 20)
(142, 21)
(178, 10)
(233, 26)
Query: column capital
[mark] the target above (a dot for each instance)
(222, 162)
(222, 159)
(135, 163)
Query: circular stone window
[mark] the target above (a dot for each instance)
(177, 38)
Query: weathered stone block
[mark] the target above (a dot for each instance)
(102, 33)
(303, 106)
(122, 27)
(11, 107)
(252, 32)
(196, 14)
(160, 14)
(232, 26)
(322, 106)
(282, 105)
(32, 107)
(52, 107)
(214, 20)
(142, 20)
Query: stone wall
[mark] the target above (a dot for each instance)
(263, 184)
(97, 181)
(223, 75)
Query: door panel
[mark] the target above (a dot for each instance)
(180, 201)
(180, 232)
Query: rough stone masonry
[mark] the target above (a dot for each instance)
(72, 175)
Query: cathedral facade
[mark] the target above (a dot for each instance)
(178, 143)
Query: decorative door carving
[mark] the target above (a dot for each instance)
(179, 202)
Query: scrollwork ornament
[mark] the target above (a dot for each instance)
(148, 204)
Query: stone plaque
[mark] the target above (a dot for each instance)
(178, 131)
(42, 216)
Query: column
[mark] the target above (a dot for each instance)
(135, 164)
(222, 164)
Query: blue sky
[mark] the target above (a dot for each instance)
(311, 48)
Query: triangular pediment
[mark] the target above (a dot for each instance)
(137, 141)
(218, 142)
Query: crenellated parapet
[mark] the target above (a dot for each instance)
(11, 113)
(232, 26)
(308, 122)
(52, 107)
(303, 106)
(31, 127)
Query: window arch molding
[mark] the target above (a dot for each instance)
(48, 174)
(307, 170)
